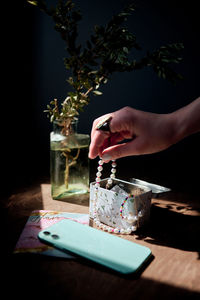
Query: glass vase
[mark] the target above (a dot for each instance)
(69, 166)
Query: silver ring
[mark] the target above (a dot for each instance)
(104, 124)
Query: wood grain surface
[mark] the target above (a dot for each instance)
(172, 235)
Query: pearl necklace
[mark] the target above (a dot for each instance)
(130, 218)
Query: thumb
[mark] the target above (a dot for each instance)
(121, 150)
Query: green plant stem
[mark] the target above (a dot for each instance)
(69, 164)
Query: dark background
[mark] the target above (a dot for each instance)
(34, 73)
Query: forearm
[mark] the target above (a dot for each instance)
(186, 120)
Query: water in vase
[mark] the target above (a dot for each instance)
(69, 165)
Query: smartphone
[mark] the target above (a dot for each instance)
(101, 247)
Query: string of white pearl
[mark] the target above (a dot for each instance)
(95, 214)
(112, 175)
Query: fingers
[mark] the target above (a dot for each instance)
(99, 139)
(102, 140)
(97, 142)
(120, 126)
(134, 147)
(97, 121)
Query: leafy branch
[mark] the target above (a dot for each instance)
(107, 51)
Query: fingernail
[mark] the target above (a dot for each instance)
(106, 157)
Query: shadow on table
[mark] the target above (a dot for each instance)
(15, 211)
(55, 278)
(171, 224)
(172, 228)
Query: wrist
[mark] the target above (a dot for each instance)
(186, 121)
(177, 125)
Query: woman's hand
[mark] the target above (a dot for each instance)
(146, 132)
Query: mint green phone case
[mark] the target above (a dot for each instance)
(101, 247)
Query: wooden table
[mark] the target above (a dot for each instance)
(173, 236)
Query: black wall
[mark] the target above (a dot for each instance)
(35, 74)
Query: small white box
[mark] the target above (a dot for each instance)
(109, 202)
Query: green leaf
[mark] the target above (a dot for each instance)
(97, 93)
(125, 49)
(105, 80)
(105, 52)
(33, 2)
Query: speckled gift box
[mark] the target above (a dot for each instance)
(110, 201)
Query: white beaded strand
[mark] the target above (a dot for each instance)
(112, 175)
(109, 183)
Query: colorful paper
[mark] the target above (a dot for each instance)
(41, 219)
